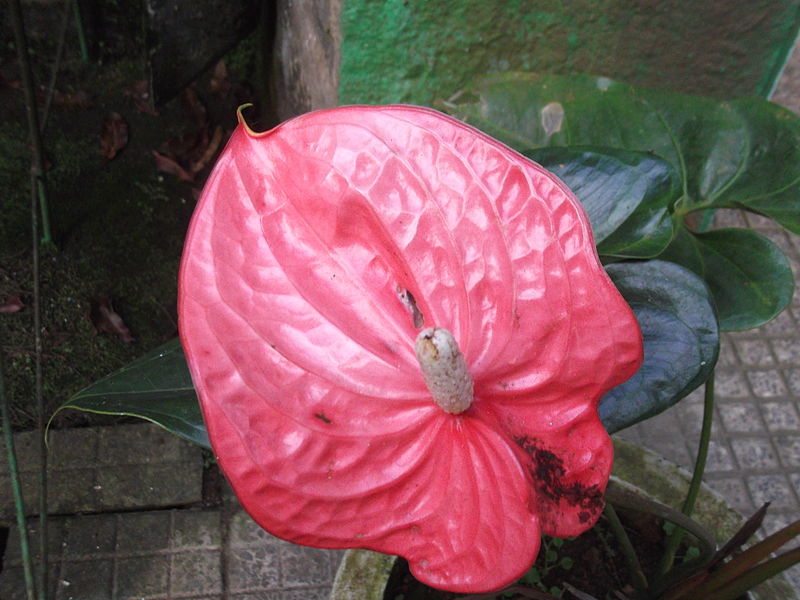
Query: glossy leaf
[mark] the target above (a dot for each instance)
(738, 154)
(316, 252)
(742, 153)
(748, 275)
(156, 387)
(627, 195)
(681, 340)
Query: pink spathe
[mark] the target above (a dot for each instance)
(318, 252)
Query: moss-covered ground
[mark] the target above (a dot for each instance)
(117, 225)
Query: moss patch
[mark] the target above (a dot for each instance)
(418, 51)
(118, 225)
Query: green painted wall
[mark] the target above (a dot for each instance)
(418, 51)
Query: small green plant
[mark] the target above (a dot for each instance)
(549, 559)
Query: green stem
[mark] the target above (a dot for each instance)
(38, 391)
(16, 489)
(668, 558)
(81, 30)
(41, 193)
(628, 551)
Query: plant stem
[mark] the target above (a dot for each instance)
(81, 30)
(16, 489)
(40, 409)
(628, 551)
(38, 201)
(37, 162)
(675, 539)
(51, 88)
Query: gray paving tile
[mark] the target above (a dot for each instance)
(735, 491)
(759, 222)
(143, 532)
(86, 580)
(729, 218)
(754, 352)
(789, 450)
(782, 326)
(774, 489)
(196, 572)
(138, 576)
(244, 532)
(720, 458)
(124, 467)
(787, 351)
(740, 417)
(252, 569)
(793, 381)
(196, 528)
(766, 383)
(90, 535)
(302, 566)
(691, 417)
(12, 584)
(72, 448)
(731, 384)
(671, 448)
(780, 415)
(754, 453)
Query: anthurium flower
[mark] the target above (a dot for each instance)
(399, 331)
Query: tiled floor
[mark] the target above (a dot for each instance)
(154, 551)
(189, 554)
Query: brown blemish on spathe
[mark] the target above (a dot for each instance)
(321, 416)
(547, 472)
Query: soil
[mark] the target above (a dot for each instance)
(591, 563)
(117, 223)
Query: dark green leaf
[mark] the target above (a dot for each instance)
(156, 387)
(739, 154)
(748, 275)
(681, 340)
(744, 153)
(627, 195)
(769, 181)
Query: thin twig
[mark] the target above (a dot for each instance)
(40, 420)
(51, 88)
(37, 163)
(38, 202)
(16, 489)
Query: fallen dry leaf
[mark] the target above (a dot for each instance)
(12, 305)
(193, 107)
(106, 320)
(71, 100)
(210, 151)
(12, 83)
(188, 147)
(219, 83)
(114, 136)
(139, 91)
(168, 165)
